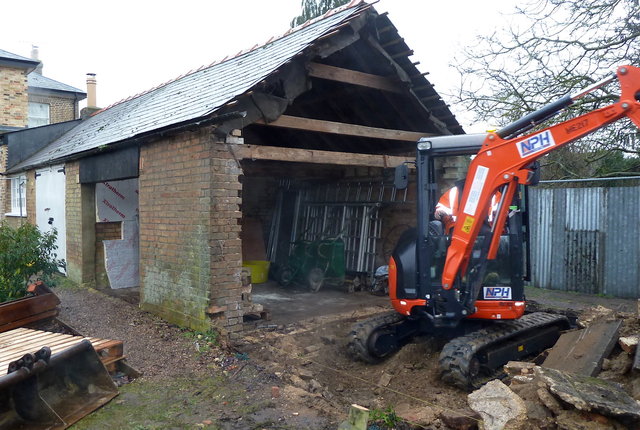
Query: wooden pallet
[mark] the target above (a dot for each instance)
(18, 342)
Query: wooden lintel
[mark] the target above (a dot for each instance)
(315, 156)
(353, 77)
(332, 127)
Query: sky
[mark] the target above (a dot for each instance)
(135, 45)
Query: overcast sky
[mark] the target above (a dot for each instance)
(135, 45)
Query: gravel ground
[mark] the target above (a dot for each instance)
(151, 345)
(295, 376)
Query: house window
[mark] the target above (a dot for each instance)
(18, 196)
(38, 114)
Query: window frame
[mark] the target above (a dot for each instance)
(38, 121)
(18, 197)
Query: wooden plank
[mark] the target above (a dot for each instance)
(353, 77)
(33, 318)
(25, 307)
(22, 341)
(308, 124)
(25, 336)
(259, 152)
(55, 343)
(582, 351)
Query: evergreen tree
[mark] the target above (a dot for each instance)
(314, 8)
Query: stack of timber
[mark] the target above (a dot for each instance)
(16, 343)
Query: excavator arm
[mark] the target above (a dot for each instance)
(504, 161)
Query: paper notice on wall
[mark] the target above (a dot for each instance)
(117, 200)
(122, 257)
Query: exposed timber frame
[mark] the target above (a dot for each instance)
(315, 156)
(308, 124)
(353, 77)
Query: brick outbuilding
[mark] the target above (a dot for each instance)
(162, 188)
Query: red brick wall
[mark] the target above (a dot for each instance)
(190, 250)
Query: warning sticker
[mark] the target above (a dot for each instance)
(468, 223)
(476, 189)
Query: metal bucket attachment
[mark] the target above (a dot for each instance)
(44, 391)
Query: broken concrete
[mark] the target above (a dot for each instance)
(591, 394)
(629, 343)
(498, 406)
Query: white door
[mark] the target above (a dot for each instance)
(50, 195)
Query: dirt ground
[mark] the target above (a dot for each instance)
(291, 372)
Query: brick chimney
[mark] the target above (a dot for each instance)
(91, 90)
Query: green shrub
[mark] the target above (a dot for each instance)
(387, 418)
(26, 254)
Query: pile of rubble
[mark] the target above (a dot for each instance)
(589, 380)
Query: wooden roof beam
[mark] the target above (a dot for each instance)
(315, 156)
(354, 77)
(308, 124)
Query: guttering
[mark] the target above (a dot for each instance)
(189, 125)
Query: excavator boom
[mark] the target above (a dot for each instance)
(503, 163)
(487, 328)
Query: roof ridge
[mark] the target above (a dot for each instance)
(272, 39)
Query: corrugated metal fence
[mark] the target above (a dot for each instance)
(586, 239)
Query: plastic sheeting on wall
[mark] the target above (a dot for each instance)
(118, 201)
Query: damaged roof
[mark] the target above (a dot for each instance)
(202, 93)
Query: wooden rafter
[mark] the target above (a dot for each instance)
(354, 77)
(321, 126)
(275, 153)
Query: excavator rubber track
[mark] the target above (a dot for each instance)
(460, 359)
(358, 341)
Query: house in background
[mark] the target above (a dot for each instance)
(157, 190)
(29, 100)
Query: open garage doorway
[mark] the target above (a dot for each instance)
(313, 237)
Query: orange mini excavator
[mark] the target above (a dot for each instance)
(469, 286)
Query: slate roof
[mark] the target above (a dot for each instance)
(192, 96)
(11, 56)
(36, 80)
(14, 60)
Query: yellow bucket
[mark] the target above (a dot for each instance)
(259, 270)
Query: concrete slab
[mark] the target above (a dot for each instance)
(582, 351)
(292, 304)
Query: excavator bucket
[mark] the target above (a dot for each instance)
(44, 391)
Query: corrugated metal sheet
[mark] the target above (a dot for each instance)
(586, 240)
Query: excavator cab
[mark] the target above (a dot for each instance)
(415, 290)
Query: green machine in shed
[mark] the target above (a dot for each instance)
(315, 263)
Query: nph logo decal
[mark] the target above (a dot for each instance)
(535, 143)
(497, 293)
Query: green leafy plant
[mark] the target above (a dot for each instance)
(387, 418)
(203, 340)
(26, 255)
